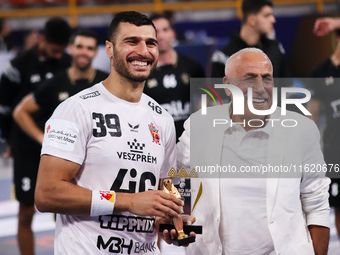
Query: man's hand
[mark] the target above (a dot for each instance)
(324, 26)
(149, 203)
(320, 237)
(168, 237)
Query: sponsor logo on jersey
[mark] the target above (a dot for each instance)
(49, 75)
(63, 96)
(152, 83)
(185, 77)
(133, 128)
(121, 245)
(127, 223)
(177, 110)
(335, 106)
(329, 81)
(114, 245)
(35, 78)
(135, 146)
(61, 134)
(154, 133)
(169, 81)
(136, 153)
(90, 95)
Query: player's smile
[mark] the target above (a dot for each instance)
(139, 63)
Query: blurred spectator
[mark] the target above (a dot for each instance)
(258, 21)
(81, 75)
(326, 98)
(5, 38)
(169, 83)
(21, 76)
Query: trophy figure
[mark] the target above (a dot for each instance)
(182, 238)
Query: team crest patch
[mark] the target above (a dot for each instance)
(154, 133)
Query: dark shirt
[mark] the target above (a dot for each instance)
(325, 88)
(272, 48)
(21, 76)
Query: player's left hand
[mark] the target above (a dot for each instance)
(168, 237)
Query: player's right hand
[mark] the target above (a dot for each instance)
(151, 203)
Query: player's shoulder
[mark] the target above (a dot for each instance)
(272, 44)
(267, 40)
(25, 58)
(88, 94)
(82, 101)
(234, 44)
(58, 79)
(66, 59)
(85, 98)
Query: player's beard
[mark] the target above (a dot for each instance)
(120, 67)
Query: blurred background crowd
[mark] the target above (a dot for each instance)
(201, 26)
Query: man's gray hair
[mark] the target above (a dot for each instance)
(229, 64)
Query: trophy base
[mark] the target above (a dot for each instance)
(186, 228)
(184, 241)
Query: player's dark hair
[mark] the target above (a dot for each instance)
(157, 15)
(253, 7)
(57, 31)
(85, 33)
(132, 17)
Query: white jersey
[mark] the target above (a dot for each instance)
(121, 146)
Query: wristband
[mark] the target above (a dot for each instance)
(103, 202)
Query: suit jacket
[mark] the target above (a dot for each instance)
(294, 199)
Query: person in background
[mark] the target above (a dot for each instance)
(5, 36)
(83, 49)
(169, 83)
(21, 76)
(257, 21)
(325, 91)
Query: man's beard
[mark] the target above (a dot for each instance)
(119, 66)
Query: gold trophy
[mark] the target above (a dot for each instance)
(182, 238)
